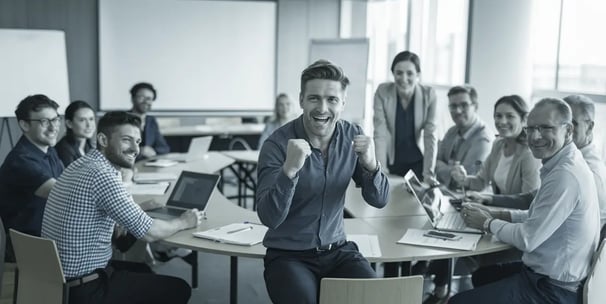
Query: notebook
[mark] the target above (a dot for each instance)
(431, 200)
(192, 190)
(246, 234)
(198, 147)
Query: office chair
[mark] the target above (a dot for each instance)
(593, 291)
(400, 290)
(41, 278)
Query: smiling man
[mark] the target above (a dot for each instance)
(142, 96)
(29, 171)
(304, 170)
(558, 234)
(85, 204)
(468, 142)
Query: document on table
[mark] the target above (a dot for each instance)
(368, 244)
(467, 241)
(161, 163)
(152, 177)
(149, 189)
(246, 234)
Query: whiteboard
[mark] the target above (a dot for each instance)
(32, 62)
(199, 55)
(352, 56)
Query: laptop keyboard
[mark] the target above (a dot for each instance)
(452, 221)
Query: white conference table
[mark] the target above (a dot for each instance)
(389, 224)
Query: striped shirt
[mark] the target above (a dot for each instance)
(82, 209)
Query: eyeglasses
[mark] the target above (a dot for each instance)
(45, 122)
(576, 123)
(463, 106)
(543, 129)
(141, 98)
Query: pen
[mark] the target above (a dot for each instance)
(240, 230)
(253, 223)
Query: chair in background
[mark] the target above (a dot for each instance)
(594, 291)
(41, 278)
(400, 290)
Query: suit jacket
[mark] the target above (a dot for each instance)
(425, 125)
(471, 152)
(523, 174)
(68, 149)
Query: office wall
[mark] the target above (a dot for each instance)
(500, 57)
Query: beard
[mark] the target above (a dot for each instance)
(119, 159)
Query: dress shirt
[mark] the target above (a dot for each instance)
(307, 211)
(471, 150)
(84, 205)
(597, 167)
(24, 170)
(559, 232)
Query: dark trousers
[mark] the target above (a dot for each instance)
(135, 285)
(513, 283)
(294, 276)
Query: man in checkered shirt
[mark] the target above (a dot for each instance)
(86, 203)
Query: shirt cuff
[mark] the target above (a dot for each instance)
(496, 225)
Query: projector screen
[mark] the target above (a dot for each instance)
(201, 56)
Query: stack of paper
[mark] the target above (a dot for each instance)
(368, 244)
(152, 177)
(464, 241)
(148, 189)
(161, 163)
(238, 234)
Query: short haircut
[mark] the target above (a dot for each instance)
(559, 105)
(520, 106)
(34, 103)
(467, 89)
(323, 69)
(582, 102)
(111, 120)
(142, 85)
(73, 107)
(407, 56)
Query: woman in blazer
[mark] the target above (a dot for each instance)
(80, 129)
(510, 166)
(405, 116)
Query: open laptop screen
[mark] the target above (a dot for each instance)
(193, 190)
(429, 198)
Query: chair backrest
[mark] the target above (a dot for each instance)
(41, 277)
(400, 290)
(594, 291)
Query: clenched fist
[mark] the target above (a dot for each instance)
(365, 148)
(296, 152)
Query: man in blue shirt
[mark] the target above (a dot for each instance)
(153, 143)
(31, 168)
(558, 234)
(304, 170)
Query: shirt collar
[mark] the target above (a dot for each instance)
(474, 127)
(98, 156)
(565, 152)
(31, 148)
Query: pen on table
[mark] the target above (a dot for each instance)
(240, 230)
(253, 223)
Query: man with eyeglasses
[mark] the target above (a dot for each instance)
(468, 142)
(31, 168)
(143, 95)
(558, 234)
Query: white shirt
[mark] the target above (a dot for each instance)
(560, 231)
(597, 167)
(502, 170)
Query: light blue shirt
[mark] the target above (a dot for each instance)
(597, 167)
(560, 231)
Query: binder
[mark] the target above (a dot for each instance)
(246, 234)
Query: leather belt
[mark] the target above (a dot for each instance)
(329, 247)
(83, 280)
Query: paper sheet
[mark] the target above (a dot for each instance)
(149, 189)
(415, 237)
(150, 177)
(161, 163)
(246, 234)
(368, 244)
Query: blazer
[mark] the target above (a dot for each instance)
(425, 125)
(68, 150)
(471, 152)
(523, 174)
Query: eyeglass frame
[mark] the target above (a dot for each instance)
(543, 129)
(46, 122)
(464, 106)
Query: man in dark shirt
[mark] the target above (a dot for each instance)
(31, 168)
(304, 170)
(153, 143)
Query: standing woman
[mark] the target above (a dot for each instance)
(80, 129)
(405, 115)
(282, 115)
(510, 166)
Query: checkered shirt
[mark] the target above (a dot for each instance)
(82, 208)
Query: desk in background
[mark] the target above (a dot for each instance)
(178, 138)
(244, 169)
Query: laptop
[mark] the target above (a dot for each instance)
(431, 200)
(192, 190)
(198, 147)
